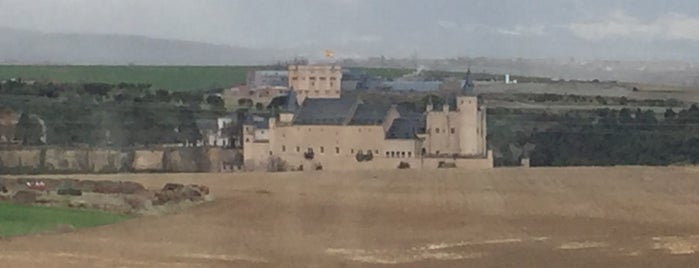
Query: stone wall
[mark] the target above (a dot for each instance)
(56, 160)
(344, 163)
(20, 160)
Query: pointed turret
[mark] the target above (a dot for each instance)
(291, 103)
(430, 105)
(469, 86)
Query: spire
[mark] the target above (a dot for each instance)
(430, 105)
(469, 86)
(291, 103)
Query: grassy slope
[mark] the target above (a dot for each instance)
(167, 77)
(19, 220)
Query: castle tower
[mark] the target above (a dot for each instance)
(315, 81)
(472, 125)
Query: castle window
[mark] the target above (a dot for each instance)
(436, 130)
(332, 84)
(337, 150)
(247, 139)
(312, 78)
(298, 149)
(376, 151)
(402, 154)
(393, 154)
(453, 130)
(317, 91)
(337, 92)
(322, 149)
(283, 148)
(410, 154)
(437, 152)
(388, 154)
(323, 78)
(296, 78)
(352, 151)
(270, 153)
(313, 84)
(327, 92)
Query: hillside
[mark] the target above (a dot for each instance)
(30, 47)
(165, 77)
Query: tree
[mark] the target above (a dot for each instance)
(670, 114)
(217, 104)
(623, 101)
(99, 90)
(245, 102)
(29, 130)
(187, 127)
(163, 95)
(259, 106)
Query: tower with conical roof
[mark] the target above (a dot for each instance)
(469, 86)
(286, 115)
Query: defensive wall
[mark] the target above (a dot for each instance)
(58, 160)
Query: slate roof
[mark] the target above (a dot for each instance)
(350, 111)
(369, 114)
(469, 86)
(291, 103)
(404, 128)
(326, 111)
(406, 111)
(258, 121)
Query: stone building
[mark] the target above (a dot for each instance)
(315, 81)
(331, 132)
(267, 78)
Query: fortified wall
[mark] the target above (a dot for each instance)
(350, 163)
(57, 160)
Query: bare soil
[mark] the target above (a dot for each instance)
(565, 217)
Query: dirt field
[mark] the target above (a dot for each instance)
(572, 217)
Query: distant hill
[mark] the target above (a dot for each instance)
(29, 47)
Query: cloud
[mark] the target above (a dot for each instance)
(370, 38)
(621, 25)
(536, 30)
(446, 24)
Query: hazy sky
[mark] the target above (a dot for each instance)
(431, 28)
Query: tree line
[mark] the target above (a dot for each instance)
(97, 114)
(599, 137)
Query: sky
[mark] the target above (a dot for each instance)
(616, 29)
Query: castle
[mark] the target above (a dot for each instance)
(321, 129)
